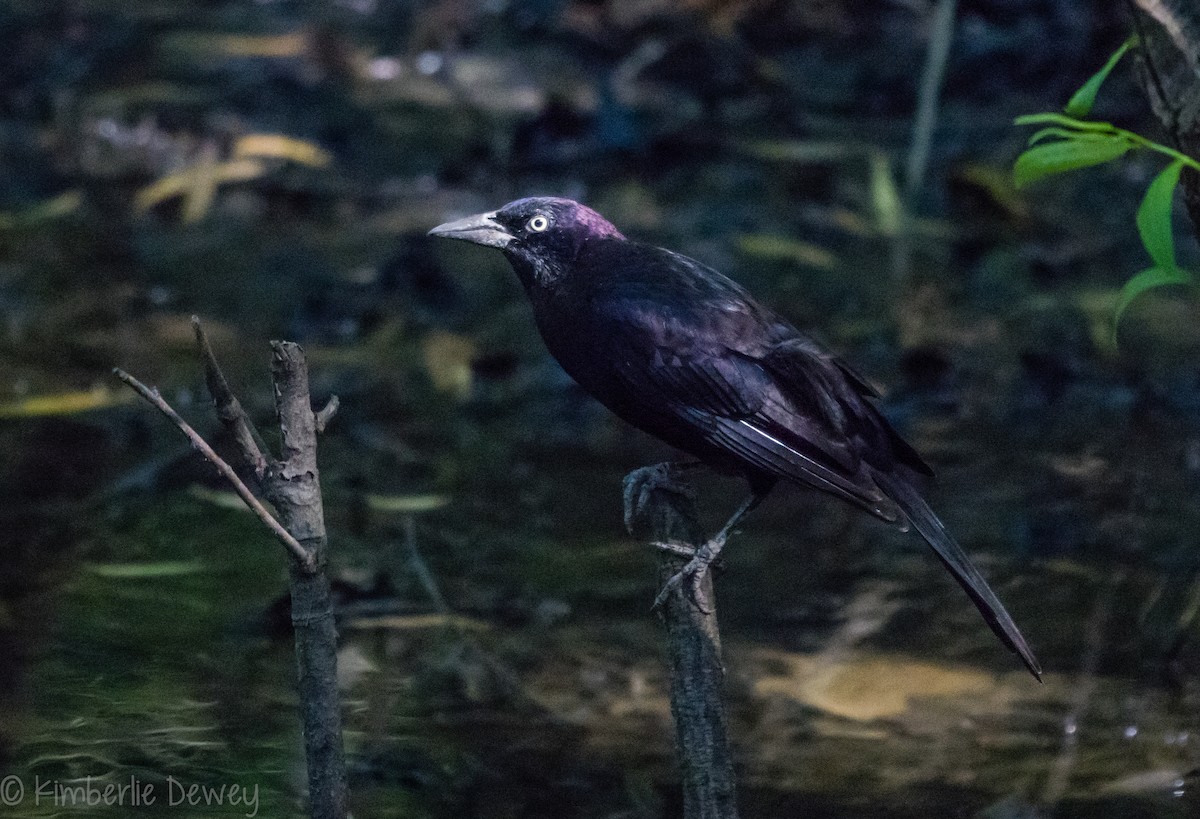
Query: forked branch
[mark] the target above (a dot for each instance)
(298, 552)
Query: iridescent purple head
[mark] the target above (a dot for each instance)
(541, 236)
(557, 215)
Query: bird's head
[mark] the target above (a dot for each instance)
(540, 236)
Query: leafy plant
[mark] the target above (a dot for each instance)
(1070, 141)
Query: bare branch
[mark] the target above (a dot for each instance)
(296, 418)
(325, 415)
(229, 409)
(659, 502)
(299, 553)
(295, 483)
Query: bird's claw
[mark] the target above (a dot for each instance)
(640, 485)
(686, 550)
(693, 574)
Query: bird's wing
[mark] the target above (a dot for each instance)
(808, 372)
(714, 368)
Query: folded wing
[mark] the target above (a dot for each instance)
(785, 408)
(774, 407)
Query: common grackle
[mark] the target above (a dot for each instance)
(689, 356)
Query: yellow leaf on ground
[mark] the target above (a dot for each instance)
(868, 687)
(406, 504)
(448, 360)
(409, 622)
(997, 184)
(197, 182)
(277, 146)
(65, 403)
(766, 246)
(277, 45)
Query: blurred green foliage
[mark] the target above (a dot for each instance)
(1070, 141)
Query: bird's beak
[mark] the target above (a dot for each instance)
(482, 229)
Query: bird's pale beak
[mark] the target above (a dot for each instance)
(482, 229)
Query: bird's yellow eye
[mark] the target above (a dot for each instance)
(539, 223)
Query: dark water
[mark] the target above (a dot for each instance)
(514, 670)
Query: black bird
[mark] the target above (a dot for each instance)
(689, 356)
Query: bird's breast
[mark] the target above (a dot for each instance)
(582, 349)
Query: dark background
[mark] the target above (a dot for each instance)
(513, 669)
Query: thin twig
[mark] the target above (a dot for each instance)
(420, 567)
(229, 410)
(299, 553)
(326, 413)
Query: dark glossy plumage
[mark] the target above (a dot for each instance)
(686, 354)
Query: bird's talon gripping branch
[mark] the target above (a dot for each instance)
(676, 548)
(675, 581)
(693, 574)
(640, 485)
(698, 598)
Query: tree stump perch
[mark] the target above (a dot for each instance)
(659, 506)
(292, 486)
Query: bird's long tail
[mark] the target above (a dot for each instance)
(956, 560)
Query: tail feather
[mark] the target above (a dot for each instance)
(956, 560)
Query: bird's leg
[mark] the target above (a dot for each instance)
(694, 572)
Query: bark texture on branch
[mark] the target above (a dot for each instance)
(1170, 57)
(665, 511)
(293, 486)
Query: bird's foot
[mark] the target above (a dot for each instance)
(692, 574)
(641, 484)
(680, 549)
(676, 547)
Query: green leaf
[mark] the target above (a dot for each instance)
(61, 205)
(1066, 155)
(1050, 118)
(1146, 280)
(1082, 100)
(885, 197)
(1154, 216)
(1061, 133)
(138, 571)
